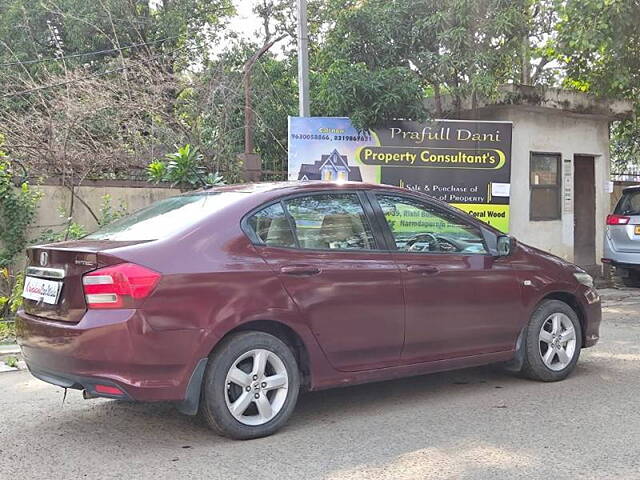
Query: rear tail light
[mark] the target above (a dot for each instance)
(118, 286)
(108, 390)
(617, 220)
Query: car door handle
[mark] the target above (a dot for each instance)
(423, 269)
(300, 270)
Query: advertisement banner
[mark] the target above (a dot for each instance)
(464, 163)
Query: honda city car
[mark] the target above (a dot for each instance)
(233, 300)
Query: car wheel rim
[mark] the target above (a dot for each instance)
(256, 387)
(557, 341)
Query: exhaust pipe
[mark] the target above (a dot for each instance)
(88, 396)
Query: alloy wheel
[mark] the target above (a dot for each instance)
(256, 387)
(557, 341)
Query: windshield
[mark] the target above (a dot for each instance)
(629, 204)
(165, 217)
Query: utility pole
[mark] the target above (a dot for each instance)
(303, 59)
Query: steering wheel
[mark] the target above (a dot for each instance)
(433, 245)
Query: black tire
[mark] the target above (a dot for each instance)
(628, 278)
(215, 390)
(533, 366)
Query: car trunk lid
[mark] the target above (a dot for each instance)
(53, 277)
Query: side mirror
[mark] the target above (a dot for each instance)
(503, 245)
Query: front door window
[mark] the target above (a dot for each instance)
(417, 227)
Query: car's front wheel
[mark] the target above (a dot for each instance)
(251, 386)
(552, 342)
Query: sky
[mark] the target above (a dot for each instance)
(245, 23)
(248, 25)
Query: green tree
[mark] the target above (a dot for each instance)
(598, 43)
(105, 114)
(416, 48)
(57, 28)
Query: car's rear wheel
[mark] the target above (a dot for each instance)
(552, 342)
(251, 386)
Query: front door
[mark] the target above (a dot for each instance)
(460, 300)
(347, 289)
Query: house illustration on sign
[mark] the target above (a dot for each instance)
(330, 167)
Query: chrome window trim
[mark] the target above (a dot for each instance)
(43, 272)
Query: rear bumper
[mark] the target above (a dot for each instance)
(110, 347)
(619, 259)
(78, 383)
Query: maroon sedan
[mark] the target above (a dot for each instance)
(232, 300)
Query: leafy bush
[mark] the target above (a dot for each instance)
(18, 206)
(11, 361)
(7, 332)
(109, 213)
(17, 212)
(184, 169)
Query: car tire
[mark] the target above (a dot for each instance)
(629, 278)
(552, 342)
(250, 386)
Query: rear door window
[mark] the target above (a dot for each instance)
(629, 204)
(272, 227)
(330, 222)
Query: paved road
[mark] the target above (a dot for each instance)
(477, 423)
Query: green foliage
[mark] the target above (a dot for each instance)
(389, 54)
(11, 361)
(48, 28)
(13, 285)
(185, 169)
(15, 299)
(109, 213)
(157, 171)
(74, 230)
(374, 96)
(7, 331)
(371, 60)
(17, 213)
(599, 45)
(71, 231)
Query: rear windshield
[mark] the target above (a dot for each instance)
(629, 204)
(165, 217)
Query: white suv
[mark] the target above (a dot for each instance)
(622, 237)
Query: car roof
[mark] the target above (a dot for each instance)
(631, 188)
(302, 186)
(269, 191)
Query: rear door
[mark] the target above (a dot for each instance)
(626, 238)
(346, 287)
(460, 300)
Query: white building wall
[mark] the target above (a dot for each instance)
(554, 131)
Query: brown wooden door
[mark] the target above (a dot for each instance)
(584, 208)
